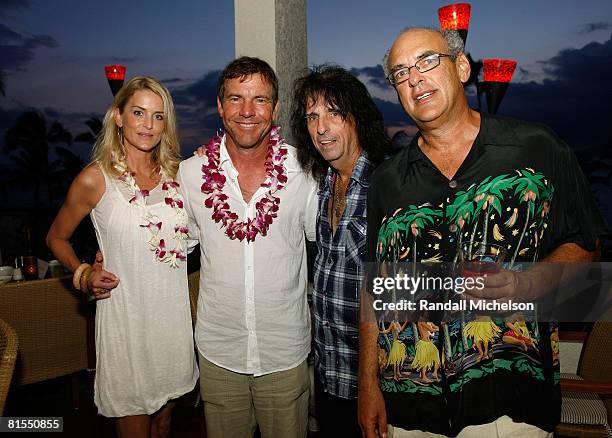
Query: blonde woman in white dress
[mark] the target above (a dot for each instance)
(144, 344)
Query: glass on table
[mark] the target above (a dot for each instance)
(30, 267)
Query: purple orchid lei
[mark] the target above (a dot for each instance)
(266, 207)
(151, 222)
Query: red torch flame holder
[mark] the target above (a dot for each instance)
(497, 76)
(455, 16)
(115, 75)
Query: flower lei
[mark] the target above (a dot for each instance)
(152, 223)
(266, 207)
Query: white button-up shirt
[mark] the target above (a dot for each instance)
(253, 316)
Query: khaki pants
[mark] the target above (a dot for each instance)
(503, 427)
(235, 403)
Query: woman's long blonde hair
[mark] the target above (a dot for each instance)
(109, 152)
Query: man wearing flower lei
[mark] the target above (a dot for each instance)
(341, 139)
(252, 208)
(144, 344)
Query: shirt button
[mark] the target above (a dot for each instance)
(452, 228)
(452, 184)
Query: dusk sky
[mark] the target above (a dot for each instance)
(53, 53)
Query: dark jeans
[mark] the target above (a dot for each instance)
(336, 417)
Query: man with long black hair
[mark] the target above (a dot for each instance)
(340, 137)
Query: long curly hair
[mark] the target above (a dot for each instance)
(344, 92)
(109, 152)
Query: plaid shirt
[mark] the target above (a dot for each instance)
(337, 281)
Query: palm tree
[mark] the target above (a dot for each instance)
(65, 169)
(69, 165)
(95, 126)
(416, 218)
(529, 185)
(447, 342)
(546, 196)
(487, 196)
(413, 218)
(388, 235)
(27, 144)
(461, 212)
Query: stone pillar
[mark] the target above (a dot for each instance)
(275, 31)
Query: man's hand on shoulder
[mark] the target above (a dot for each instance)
(199, 152)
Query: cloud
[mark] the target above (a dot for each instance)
(7, 5)
(64, 59)
(8, 35)
(393, 113)
(169, 81)
(124, 59)
(195, 103)
(593, 27)
(196, 109)
(203, 91)
(372, 75)
(19, 49)
(591, 63)
(574, 100)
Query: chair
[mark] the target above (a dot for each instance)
(587, 396)
(50, 320)
(8, 356)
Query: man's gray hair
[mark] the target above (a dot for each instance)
(453, 41)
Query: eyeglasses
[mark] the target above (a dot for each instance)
(422, 65)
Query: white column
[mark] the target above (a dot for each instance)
(275, 31)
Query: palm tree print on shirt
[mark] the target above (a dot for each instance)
(488, 195)
(511, 209)
(517, 204)
(528, 186)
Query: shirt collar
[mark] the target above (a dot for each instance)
(223, 154)
(491, 132)
(494, 132)
(361, 172)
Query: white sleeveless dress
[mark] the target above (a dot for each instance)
(144, 338)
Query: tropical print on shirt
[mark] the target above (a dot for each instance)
(509, 210)
(519, 187)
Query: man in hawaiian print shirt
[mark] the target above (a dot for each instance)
(468, 179)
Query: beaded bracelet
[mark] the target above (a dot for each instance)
(84, 283)
(78, 272)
